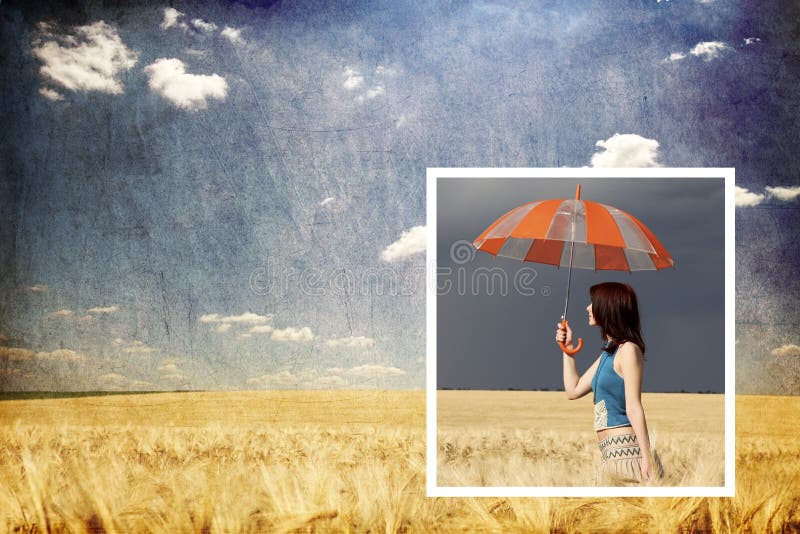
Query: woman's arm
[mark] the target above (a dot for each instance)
(574, 386)
(632, 363)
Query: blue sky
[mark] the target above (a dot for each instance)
(189, 191)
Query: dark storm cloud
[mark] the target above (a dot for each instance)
(492, 341)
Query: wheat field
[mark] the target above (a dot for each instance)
(346, 461)
(530, 438)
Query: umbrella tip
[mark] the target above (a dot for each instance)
(578, 192)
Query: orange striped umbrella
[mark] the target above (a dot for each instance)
(574, 232)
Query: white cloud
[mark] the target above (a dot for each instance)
(400, 122)
(279, 380)
(170, 372)
(313, 379)
(375, 91)
(371, 93)
(245, 318)
(380, 70)
(676, 56)
(787, 351)
(353, 79)
(292, 334)
(301, 379)
(225, 323)
(50, 94)
(22, 354)
(62, 355)
(745, 198)
(352, 341)
(626, 150)
(169, 368)
(137, 347)
(336, 204)
(103, 309)
(179, 378)
(367, 371)
(168, 77)
(204, 26)
(330, 381)
(783, 193)
(89, 60)
(38, 288)
(118, 341)
(708, 50)
(172, 361)
(751, 40)
(234, 35)
(411, 242)
(69, 314)
(171, 16)
(260, 329)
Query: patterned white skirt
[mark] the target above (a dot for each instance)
(621, 461)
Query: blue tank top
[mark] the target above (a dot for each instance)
(609, 394)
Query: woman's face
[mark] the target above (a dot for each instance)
(591, 317)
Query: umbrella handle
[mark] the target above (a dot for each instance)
(564, 347)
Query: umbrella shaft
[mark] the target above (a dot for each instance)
(569, 278)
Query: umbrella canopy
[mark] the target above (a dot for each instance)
(604, 237)
(574, 232)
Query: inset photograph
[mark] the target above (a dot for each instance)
(581, 343)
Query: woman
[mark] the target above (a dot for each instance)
(616, 379)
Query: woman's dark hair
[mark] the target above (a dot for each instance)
(616, 312)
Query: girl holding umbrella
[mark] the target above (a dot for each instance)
(615, 377)
(589, 235)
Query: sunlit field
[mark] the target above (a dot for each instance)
(521, 438)
(327, 461)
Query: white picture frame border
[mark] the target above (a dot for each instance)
(728, 489)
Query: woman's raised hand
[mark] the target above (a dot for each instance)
(564, 335)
